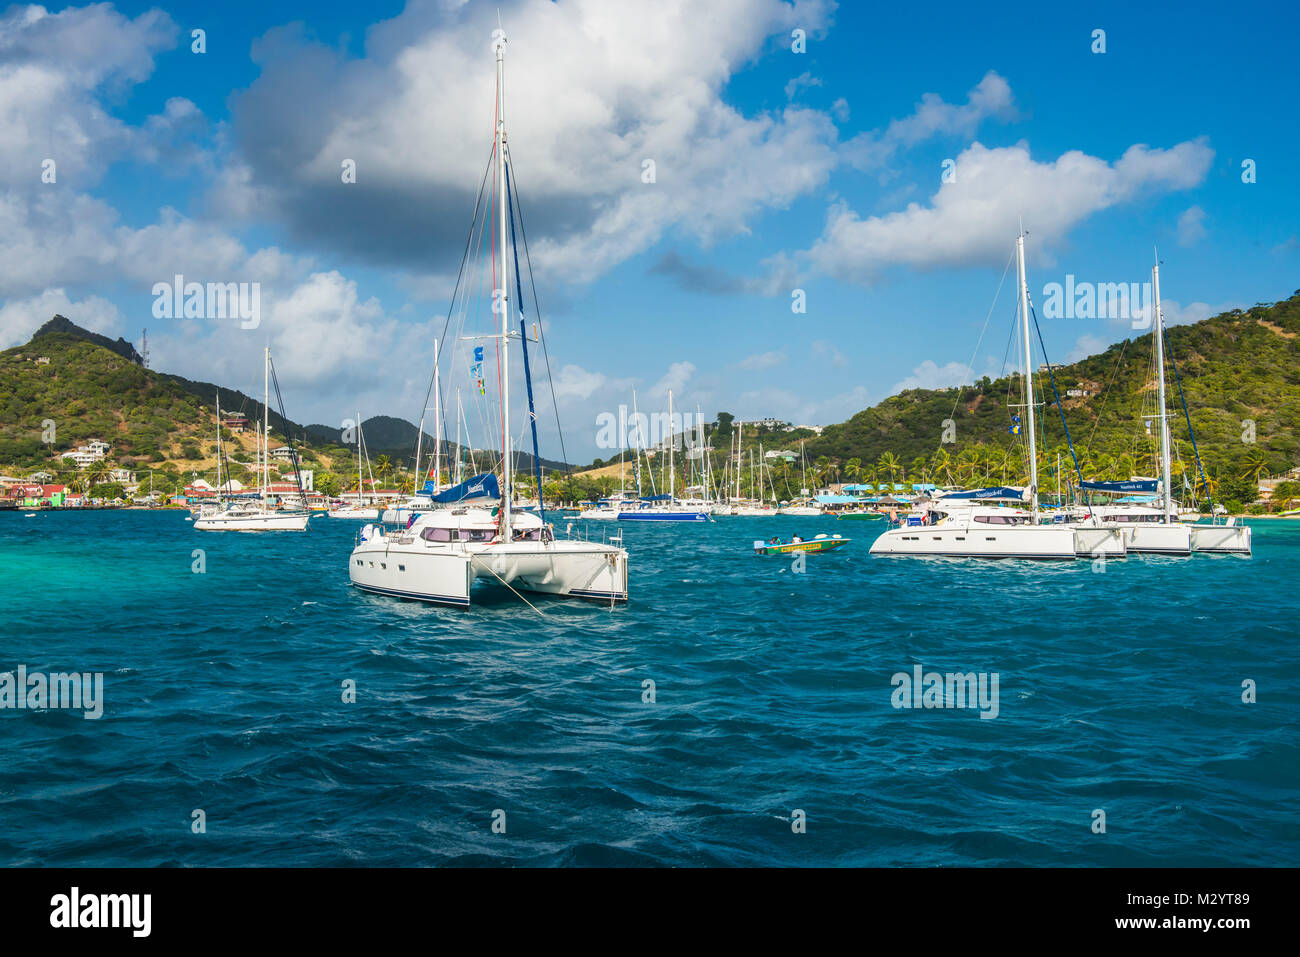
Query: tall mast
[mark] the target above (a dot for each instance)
(358, 460)
(1166, 497)
(437, 419)
(637, 463)
(458, 445)
(505, 284)
(672, 440)
(740, 432)
(266, 411)
(1029, 374)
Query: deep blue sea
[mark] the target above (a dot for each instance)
(1120, 691)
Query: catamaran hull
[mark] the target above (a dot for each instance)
(271, 523)
(1155, 538)
(1099, 542)
(1034, 542)
(445, 575)
(1222, 539)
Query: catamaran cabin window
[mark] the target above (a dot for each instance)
(476, 535)
(1000, 519)
(434, 534)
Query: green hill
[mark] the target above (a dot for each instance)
(91, 387)
(1237, 368)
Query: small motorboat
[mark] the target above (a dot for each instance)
(819, 543)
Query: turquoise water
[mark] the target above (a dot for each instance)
(1118, 691)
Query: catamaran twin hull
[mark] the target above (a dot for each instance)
(408, 567)
(1029, 541)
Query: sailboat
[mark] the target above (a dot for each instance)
(360, 509)
(962, 524)
(473, 531)
(1157, 528)
(259, 516)
(664, 508)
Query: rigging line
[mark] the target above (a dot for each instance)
(451, 305)
(1190, 432)
(288, 435)
(1114, 372)
(541, 331)
(1059, 407)
(970, 366)
(475, 558)
(523, 341)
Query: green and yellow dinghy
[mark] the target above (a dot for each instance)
(819, 543)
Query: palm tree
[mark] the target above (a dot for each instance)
(853, 471)
(383, 467)
(1254, 464)
(941, 463)
(889, 463)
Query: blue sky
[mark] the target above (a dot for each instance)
(775, 171)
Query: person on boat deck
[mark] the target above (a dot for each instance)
(796, 539)
(776, 540)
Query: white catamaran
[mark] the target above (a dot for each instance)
(472, 531)
(961, 526)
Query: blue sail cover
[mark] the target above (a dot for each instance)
(479, 487)
(1133, 485)
(998, 492)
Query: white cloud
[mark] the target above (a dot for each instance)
(20, 318)
(1086, 346)
(594, 89)
(675, 379)
(991, 98)
(930, 375)
(804, 81)
(761, 360)
(1191, 226)
(53, 69)
(971, 220)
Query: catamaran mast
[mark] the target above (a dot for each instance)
(359, 460)
(505, 285)
(1029, 374)
(437, 419)
(672, 440)
(1165, 468)
(266, 411)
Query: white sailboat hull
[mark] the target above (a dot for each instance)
(269, 522)
(1225, 539)
(409, 567)
(1099, 541)
(1156, 538)
(962, 541)
(365, 514)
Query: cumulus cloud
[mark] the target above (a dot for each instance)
(1191, 226)
(19, 318)
(594, 90)
(54, 67)
(991, 98)
(761, 360)
(971, 219)
(930, 375)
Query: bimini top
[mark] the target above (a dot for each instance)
(480, 488)
(1132, 485)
